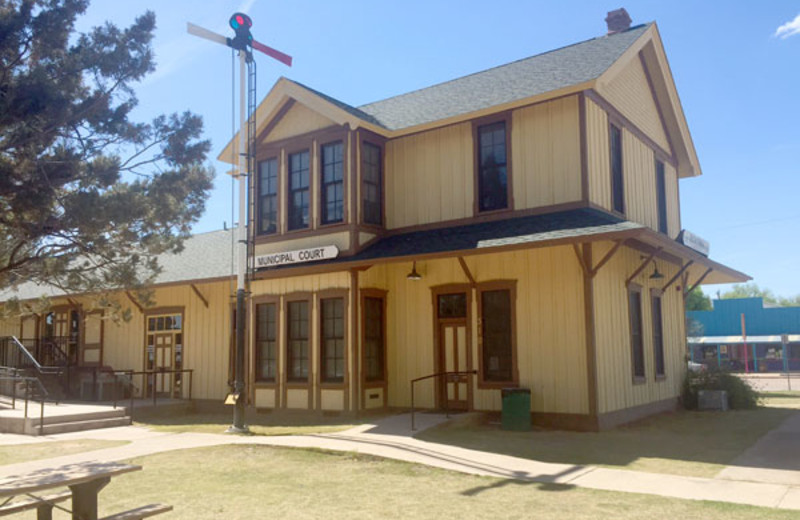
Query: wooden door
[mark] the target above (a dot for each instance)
(454, 358)
(92, 349)
(164, 361)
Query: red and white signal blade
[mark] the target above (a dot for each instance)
(269, 51)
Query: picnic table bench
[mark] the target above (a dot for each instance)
(84, 482)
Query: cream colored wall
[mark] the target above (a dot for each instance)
(630, 93)
(598, 160)
(551, 342)
(546, 156)
(638, 171)
(9, 327)
(673, 201)
(616, 389)
(298, 120)
(429, 177)
(206, 336)
(639, 177)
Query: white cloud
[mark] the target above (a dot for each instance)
(789, 28)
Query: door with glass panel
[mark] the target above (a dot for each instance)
(164, 355)
(453, 351)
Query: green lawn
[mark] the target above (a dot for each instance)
(681, 443)
(259, 424)
(246, 482)
(13, 454)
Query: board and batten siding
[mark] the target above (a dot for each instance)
(206, 332)
(638, 171)
(550, 333)
(299, 120)
(630, 93)
(429, 177)
(546, 156)
(616, 389)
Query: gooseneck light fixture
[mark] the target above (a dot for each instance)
(414, 275)
(656, 275)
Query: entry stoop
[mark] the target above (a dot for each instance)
(63, 418)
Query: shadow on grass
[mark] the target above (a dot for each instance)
(682, 442)
(520, 479)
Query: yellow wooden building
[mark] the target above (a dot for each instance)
(520, 225)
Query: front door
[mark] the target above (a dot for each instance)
(453, 341)
(164, 355)
(61, 331)
(453, 351)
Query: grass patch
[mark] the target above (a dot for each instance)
(259, 424)
(243, 482)
(681, 443)
(45, 450)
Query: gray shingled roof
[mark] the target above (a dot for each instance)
(553, 70)
(204, 256)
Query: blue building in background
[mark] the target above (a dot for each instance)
(745, 335)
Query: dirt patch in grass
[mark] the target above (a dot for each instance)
(45, 450)
(244, 482)
(681, 443)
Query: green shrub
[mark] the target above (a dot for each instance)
(741, 396)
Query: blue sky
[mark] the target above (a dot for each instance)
(736, 65)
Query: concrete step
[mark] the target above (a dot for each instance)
(79, 426)
(85, 416)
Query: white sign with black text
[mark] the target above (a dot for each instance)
(297, 257)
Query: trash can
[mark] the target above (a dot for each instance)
(516, 414)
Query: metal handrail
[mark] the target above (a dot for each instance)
(152, 375)
(16, 378)
(439, 374)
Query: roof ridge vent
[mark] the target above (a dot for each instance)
(618, 21)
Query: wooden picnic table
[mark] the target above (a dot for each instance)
(85, 480)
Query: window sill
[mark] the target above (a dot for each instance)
(639, 380)
(479, 213)
(661, 378)
(298, 385)
(265, 384)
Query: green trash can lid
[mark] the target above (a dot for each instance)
(511, 391)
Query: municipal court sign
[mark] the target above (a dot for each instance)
(297, 257)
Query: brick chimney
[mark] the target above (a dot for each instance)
(618, 21)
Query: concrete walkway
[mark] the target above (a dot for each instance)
(391, 438)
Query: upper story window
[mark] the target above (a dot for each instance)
(617, 183)
(371, 187)
(661, 197)
(268, 196)
(299, 192)
(332, 188)
(492, 167)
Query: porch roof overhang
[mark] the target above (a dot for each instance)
(574, 226)
(702, 268)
